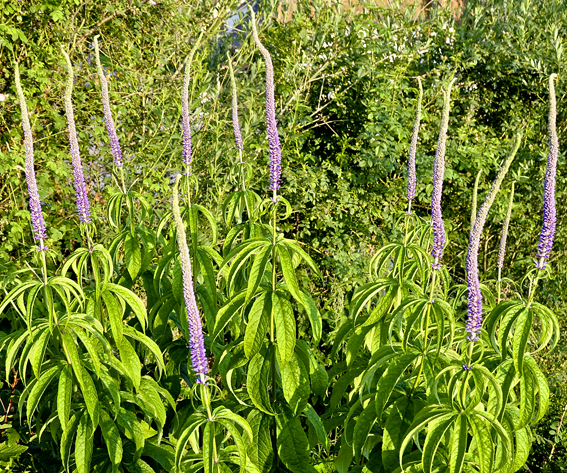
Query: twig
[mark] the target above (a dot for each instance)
(102, 22)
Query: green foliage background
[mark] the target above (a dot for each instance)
(345, 91)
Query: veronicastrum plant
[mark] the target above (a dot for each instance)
(427, 392)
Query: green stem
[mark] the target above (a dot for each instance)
(533, 285)
(272, 334)
(122, 179)
(431, 295)
(499, 285)
(272, 321)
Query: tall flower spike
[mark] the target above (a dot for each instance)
(197, 341)
(412, 179)
(38, 223)
(235, 123)
(185, 121)
(504, 235)
(271, 123)
(83, 206)
(474, 312)
(475, 199)
(114, 144)
(545, 244)
(438, 173)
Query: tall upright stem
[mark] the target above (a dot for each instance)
(431, 300)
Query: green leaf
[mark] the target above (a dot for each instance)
(131, 363)
(7, 451)
(285, 326)
(258, 380)
(295, 383)
(132, 300)
(90, 395)
(112, 439)
(84, 444)
(396, 425)
(39, 348)
(435, 434)
(39, 388)
(258, 270)
(295, 248)
(192, 424)
(313, 314)
(344, 458)
(521, 336)
(227, 312)
(133, 255)
(289, 273)
(260, 448)
(231, 428)
(148, 343)
(484, 453)
(542, 387)
(362, 429)
(293, 446)
(317, 424)
(64, 396)
(389, 379)
(458, 445)
(133, 429)
(209, 447)
(258, 323)
(114, 310)
(67, 439)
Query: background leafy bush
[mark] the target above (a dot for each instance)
(346, 96)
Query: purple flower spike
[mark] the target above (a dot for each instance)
(196, 341)
(83, 206)
(235, 122)
(474, 313)
(467, 367)
(545, 244)
(438, 173)
(114, 144)
(38, 223)
(412, 179)
(185, 121)
(271, 123)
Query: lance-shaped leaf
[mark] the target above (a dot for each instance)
(389, 379)
(258, 324)
(285, 327)
(258, 380)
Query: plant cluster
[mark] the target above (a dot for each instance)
(180, 341)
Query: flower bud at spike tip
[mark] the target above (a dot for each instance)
(196, 338)
(114, 144)
(83, 206)
(235, 123)
(271, 123)
(438, 173)
(474, 312)
(504, 236)
(185, 121)
(545, 244)
(412, 179)
(38, 223)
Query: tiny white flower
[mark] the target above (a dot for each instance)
(3, 97)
